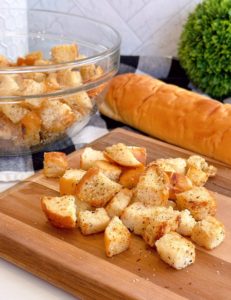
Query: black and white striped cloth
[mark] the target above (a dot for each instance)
(13, 169)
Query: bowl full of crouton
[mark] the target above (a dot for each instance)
(50, 83)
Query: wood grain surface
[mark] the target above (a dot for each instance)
(78, 264)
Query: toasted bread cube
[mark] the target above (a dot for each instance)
(186, 223)
(31, 87)
(96, 188)
(15, 112)
(51, 82)
(56, 116)
(160, 224)
(139, 153)
(42, 62)
(9, 130)
(122, 155)
(175, 250)
(110, 170)
(137, 216)
(64, 53)
(200, 163)
(197, 176)
(130, 176)
(32, 57)
(208, 233)
(178, 183)
(199, 201)
(8, 86)
(69, 181)
(119, 202)
(82, 206)
(60, 211)
(88, 71)
(153, 187)
(33, 104)
(80, 102)
(69, 78)
(176, 165)
(89, 157)
(172, 204)
(37, 76)
(54, 164)
(91, 222)
(116, 237)
(31, 126)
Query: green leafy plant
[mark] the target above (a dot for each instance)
(205, 47)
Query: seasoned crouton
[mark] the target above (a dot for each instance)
(89, 157)
(139, 153)
(32, 57)
(82, 206)
(119, 202)
(122, 155)
(175, 250)
(8, 85)
(110, 170)
(31, 126)
(176, 165)
(36, 76)
(208, 233)
(96, 188)
(160, 224)
(64, 53)
(197, 176)
(56, 116)
(69, 180)
(9, 130)
(199, 201)
(93, 221)
(60, 211)
(31, 87)
(15, 112)
(137, 216)
(116, 237)
(51, 83)
(178, 183)
(186, 223)
(200, 163)
(68, 78)
(33, 104)
(153, 187)
(54, 164)
(79, 102)
(88, 72)
(130, 176)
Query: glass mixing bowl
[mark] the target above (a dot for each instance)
(32, 117)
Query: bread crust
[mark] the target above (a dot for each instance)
(171, 113)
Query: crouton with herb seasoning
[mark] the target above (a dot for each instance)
(178, 183)
(91, 222)
(14, 112)
(152, 187)
(89, 156)
(60, 211)
(208, 233)
(119, 202)
(54, 164)
(64, 53)
(112, 171)
(175, 250)
(69, 181)
(199, 201)
(130, 176)
(96, 188)
(186, 223)
(161, 223)
(176, 165)
(116, 237)
(124, 156)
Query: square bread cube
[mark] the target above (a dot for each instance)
(31, 87)
(197, 176)
(176, 165)
(60, 211)
(64, 53)
(123, 155)
(153, 187)
(31, 57)
(9, 130)
(91, 222)
(175, 250)
(82, 206)
(140, 153)
(79, 102)
(160, 224)
(31, 127)
(178, 183)
(116, 237)
(14, 112)
(119, 202)
(130, 176)
(8, 85)
(69, 180)
(208, 233)
(200, 163)
(186, 223)
(89, 157)
(69, 78)
(54, 164)
(96, 188)
(112, 171)
(199, 201)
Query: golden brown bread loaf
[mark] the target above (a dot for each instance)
(171, 114)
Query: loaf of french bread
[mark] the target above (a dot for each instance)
(171, 114)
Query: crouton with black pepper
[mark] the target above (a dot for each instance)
(178, 183)
(116, 237)
(119, 202)
(69, 181)
(130, 176)
(64, 53)
(112, 171)
(208, 233)
(175, 250)
(176, 165)
(186, 223)
(54, 164)
(89, 156)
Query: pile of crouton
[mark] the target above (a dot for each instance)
(39, 120)
(116, 192)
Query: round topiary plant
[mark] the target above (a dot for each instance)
(205, 47)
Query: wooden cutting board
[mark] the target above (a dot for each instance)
(78, 264)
